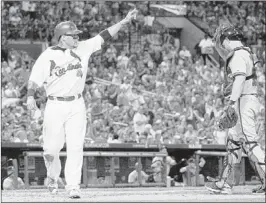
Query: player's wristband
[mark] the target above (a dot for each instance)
(105, 35)
(31, 93)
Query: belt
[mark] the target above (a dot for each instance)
(71, 98)
(242, 95)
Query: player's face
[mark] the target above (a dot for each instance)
(71, 40)
(222, 48)
(226, 44)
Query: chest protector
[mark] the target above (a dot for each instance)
(228, 81)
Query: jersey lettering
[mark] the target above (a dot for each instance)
(59, 71)
(73, 54)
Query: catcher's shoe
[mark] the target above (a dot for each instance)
(259, 190)
(74, 194)
(213, 187)
(226, 189)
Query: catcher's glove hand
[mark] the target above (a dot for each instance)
(227, 89)
(228, 119)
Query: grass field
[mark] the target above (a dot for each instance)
(152, 194)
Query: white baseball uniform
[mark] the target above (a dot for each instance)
(63, 74)
(247, 108)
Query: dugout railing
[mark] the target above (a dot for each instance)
(100, 166)
(221, 156)
(110, 177)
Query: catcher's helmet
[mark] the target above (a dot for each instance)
(66, 27)
(226, 31)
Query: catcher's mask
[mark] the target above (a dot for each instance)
(226, 31)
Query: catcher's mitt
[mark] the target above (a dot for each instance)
(227, 89)
(228, 119)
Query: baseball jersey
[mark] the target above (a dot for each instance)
(242, 64)
(63, 72)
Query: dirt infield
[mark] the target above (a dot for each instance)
(174, 194)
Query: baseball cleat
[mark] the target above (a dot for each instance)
(53, 190)
(225, 189)
(211, 186)
(259, 190)
(74, 194)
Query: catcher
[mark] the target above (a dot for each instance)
(241, 108)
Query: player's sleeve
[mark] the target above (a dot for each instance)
(238, 65)
(91, 45)
(40, 70)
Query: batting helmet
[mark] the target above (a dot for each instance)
(66, 27)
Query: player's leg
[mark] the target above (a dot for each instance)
(232, 171)
(53, 141)
(249, 108)
(230, 174)
(75, 127)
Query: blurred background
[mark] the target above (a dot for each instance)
(161, 72)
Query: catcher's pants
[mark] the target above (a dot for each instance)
(243, 136)
(64, 121)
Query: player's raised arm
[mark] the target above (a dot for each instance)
(94, 44)
(111, 31)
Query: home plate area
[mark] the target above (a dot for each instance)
(152, 194)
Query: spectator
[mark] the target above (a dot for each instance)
(115, 139)
(140, 120)
(21, 134)
(185, 53)
(11, 95)
(191, 135)
(133, 176)
(206, 46)
(157, 169)
(190, 170)
(10, 183)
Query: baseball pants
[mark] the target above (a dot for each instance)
(64, 121)
(243, 137)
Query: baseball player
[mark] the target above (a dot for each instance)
(62, 70)
(243, 105)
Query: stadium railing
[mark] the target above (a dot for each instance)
(101, 157)
(90, 171)
(221, 156)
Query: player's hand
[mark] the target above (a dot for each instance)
(229, 108)
(31, 103)
(131, 15)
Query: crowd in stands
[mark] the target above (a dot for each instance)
(151, 94)
(247, 16)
